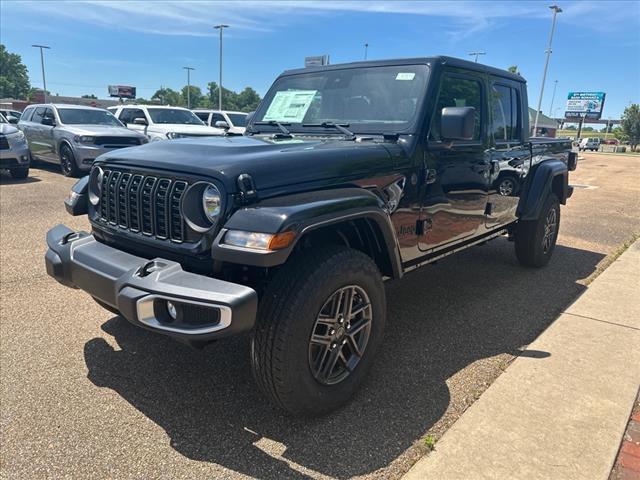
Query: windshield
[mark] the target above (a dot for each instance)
(80, 116)
(174, 115)
(2, 119)
(238, 119)
(368, 99)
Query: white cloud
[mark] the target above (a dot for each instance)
(196, 18)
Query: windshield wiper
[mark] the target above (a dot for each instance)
(272, 123)
(339, 126)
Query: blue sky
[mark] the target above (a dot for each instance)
(146, 44)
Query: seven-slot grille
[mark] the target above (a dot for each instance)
(143, 204)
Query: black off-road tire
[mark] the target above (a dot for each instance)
(19, 173)
(531, 249)
(289, 308)
(68, 163)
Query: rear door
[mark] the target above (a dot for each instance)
(510, 155)
(456, 172)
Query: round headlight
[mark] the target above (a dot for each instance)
(211, 202)
(95, 185)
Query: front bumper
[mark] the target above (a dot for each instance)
(140, 288)
(14, 157)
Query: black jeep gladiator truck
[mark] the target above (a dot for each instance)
(347, 175)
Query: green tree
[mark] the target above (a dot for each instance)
(196, 96)
(248, 100)
(619, 134)
(167, 96)
(631, 124)
(514, 69)
(14, 76)
(89, 96)
(571, 127)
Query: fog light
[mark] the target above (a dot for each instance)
(171, 309)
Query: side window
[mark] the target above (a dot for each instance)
(456, 91)
(204, 116)
(26, 115)
(217, 117)
(127, 115)
(38, 115)
(505, 124)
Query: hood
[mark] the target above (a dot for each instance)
(100, 130)
(182, 128)
(7, 129)
(271, 163)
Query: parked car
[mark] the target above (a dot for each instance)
(232, 122)
(12, 116)
(14, 152)
(610, 141)
(589, 143)
(163, 123)
(347, 175)
(74, 135)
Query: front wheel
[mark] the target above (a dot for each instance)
(320, 323)
(536, 239)
(507, 186)
(68, 162)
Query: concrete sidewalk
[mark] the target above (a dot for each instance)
(560, 410)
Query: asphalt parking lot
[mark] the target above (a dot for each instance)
(85, 394)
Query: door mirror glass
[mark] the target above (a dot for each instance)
(222, 124)
(48, 121)
(458, 123)
(140, 121)
(11, 119)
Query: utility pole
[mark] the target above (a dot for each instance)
(556, 10)
(366, 47)
(477, 54)
(220, 27)
(44, 81)
(188, 69)
(553, 96)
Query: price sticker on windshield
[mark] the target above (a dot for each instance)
(405, 76)
(290, 106)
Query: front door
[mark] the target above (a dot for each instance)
(456, 172)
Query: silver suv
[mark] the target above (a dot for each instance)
(74, 135)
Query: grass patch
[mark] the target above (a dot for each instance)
(612, 257)
(430, 442)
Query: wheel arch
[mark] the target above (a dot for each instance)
(549, 176)
(347, 216)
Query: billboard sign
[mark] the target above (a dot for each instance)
(585, 105)
(122, 91)
(317, 61)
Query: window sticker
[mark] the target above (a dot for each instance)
(290, 106)
(405, 76)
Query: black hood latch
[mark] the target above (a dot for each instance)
(247, 188)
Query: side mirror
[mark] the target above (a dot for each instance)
(222, 124)
(458, 123)
(12, 119)
(140, 121)
(48, 121)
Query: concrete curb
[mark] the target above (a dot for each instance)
(560, 409)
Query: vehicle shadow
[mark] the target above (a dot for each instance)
(7, 179)
(441, 319)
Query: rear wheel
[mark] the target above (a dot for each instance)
(507, 185)
(536, 239)
(19, 173)
(68, 162)
(321, 321)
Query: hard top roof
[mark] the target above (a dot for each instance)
(439, 59)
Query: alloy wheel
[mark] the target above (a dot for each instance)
(550, 226)
(506, 187)
(340, 335)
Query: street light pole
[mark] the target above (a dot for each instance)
(188, 69)
(556, 10)
(44, 81)
(366, 47)
(220, 27)
(553, 96)
(476, 54)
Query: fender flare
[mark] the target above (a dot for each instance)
(539, 184)
(304, 213)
